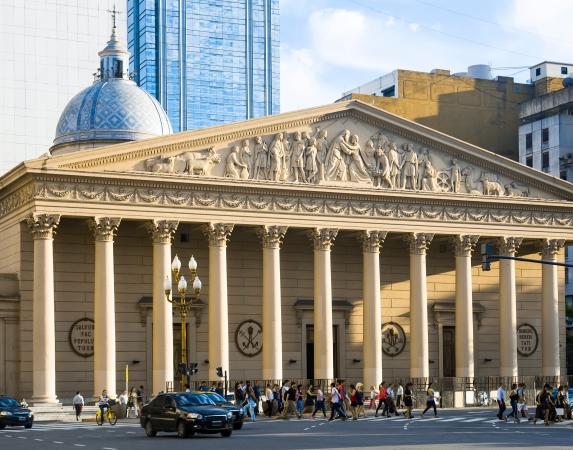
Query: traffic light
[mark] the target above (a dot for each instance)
(486, 254)
(220, 372)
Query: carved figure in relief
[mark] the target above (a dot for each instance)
(370, 152)
(514, 189)
(311, 163)
(394, 162)
(285, 166)
(161, 165)
(199, 163)
(335, 164)
(469, 182)
(409, 167)
(356, 168)
(262, 160)
(234, 166)
(490, 185)
(245, 157)
(429, 177)
(381, 170)
(297, 158)
(321, 152)
(276, 155)
(455, 176)
(422, 158)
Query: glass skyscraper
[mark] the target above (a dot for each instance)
(208, 62)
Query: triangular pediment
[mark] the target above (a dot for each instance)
(346, 144)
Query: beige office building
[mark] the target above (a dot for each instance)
(338, 241)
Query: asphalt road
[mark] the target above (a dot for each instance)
(452, 429)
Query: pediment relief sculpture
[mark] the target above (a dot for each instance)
(312, 156)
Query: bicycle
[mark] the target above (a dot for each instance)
(108, 415)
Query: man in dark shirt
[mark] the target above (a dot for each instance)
(290, 401)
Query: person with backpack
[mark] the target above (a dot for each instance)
(430, 401)
(513, 399)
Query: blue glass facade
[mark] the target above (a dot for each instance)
(208, 62)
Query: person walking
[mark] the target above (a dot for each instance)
(132, 405)
(299, 397)
(278, 398)
(360, 401)
(373, 395)
(408, 400)
(289, 400)
(521, 402)
(78, 402)
(141, 399)
(390, 402)
(381, 399)
(501, 402)
(319, 405)
(250, 401)
(336, 400)
(430, 401)
(513, 399)
(399, 396)
(353, 402)
(269, 394)
(560, 404)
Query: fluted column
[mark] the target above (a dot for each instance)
(43, 227)
(218, 235)
(272, 237)
(507, 308)
(323, 239)
(372, 310)
(162, 232)
(464, 246)
(419, 354)
(104, 229)
(550, 363)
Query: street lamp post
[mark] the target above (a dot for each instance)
(183, 303)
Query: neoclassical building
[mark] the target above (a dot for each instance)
(337, 241)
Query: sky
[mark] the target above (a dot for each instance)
(331, 46)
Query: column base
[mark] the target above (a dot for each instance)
(43, 402)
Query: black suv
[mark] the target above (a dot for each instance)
(219, 400)
(13, 414)
(186, 413)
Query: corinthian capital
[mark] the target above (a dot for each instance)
(322, 238)
(104, 228)
(218, 234)
(372, 240)
(162, 231)
(419, 242)
(43, 226)
(272, 236)
(509, 245)
(550, 247)
(464, 244)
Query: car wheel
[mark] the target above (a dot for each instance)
(28, 425)
(149, 430)
(237, 426)
(182, 429)
(226, 433)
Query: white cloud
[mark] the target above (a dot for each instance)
(413, 27)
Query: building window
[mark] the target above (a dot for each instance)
(389, 92)
(545, 136)
(529, 161)
(563, 70)
(545, 161)
(563, 175)
(538, 71)
(528, 141)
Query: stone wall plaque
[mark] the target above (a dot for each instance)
(393, 339)
(81, 337)
(527, 339)
(249, 338)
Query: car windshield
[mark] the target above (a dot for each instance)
(9, 402)
(217, 398)
(188, 399)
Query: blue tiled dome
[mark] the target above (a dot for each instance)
(112, 110)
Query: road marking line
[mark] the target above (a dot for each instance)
(453, 419)
(57, 442)
(22, 437)
(108, 448)
(478, 419)
(39, 440)
(79, 445)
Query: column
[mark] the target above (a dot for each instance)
(272, 238)
(218, 235)
(507, 308)
(550, 352)
(162, 232)
(419, 354)
(372, 310)
(323, 239)
(104, 229)
(464, 246)
(43, 227)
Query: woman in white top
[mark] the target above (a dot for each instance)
(373, 395)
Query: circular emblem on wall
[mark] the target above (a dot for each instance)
(393, 339)
(81, 337)
(249, 338)
(527, 339)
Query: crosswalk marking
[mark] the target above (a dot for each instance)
(70, 426)
(477, 419)
(453, 419)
